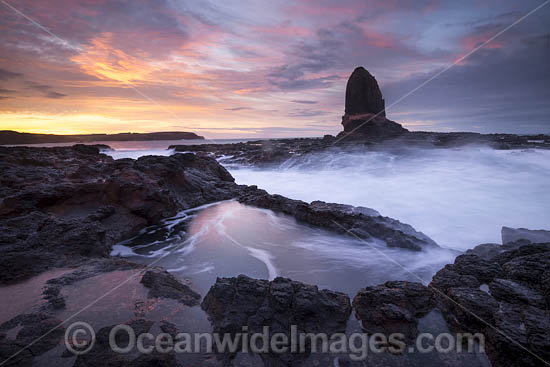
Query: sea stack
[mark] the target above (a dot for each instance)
(365, 115)
(363, 94)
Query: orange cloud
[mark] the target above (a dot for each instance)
(100, 59)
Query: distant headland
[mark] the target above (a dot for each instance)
(10, 137)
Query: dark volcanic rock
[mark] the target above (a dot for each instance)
(370, 126)
(365, 115)
(102, 353)
(258, 152)
(363, 94)
(509, 291)
(58, 205)
(61, 206)
(163, 284)
(534, 236)
(38, 333)
(361, 222)
(380, 134)
(233, 303)
(512, 311)
(393, 307)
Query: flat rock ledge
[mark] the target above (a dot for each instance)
(233, 303)
(360, 222)
(163, 284)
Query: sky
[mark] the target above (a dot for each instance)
(227, 69)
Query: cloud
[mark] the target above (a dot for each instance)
(306, 113)
(55, 95)
(37, 86)
(44, 89)
(6, 74)
(495, 90)
(151, 64)
(303, 101)
(238, 108)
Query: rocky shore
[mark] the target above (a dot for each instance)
(61, 206)
(277, 151)
(66, 207)
(63, 209)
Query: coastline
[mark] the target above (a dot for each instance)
(70, 212)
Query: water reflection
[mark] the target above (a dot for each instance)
(228, 238)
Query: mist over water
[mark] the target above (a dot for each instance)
(459, 197)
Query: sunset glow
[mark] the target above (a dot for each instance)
(267, 70)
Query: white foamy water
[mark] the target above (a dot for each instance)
(459, 197)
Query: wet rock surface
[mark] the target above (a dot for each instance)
(504, 296)
(393, 307)
(260, 152)
(35, 334)
(386, 135)
(359, 222)
(68, 206)
(64, 206)
(163, 284)
(368, 125)
(233, 303)
(61, 205)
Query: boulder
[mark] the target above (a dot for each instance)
(163, 284)
(505, 296)
(393, 307)
(36, 333)
(232, 303)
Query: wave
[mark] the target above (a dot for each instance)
(459, 197)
